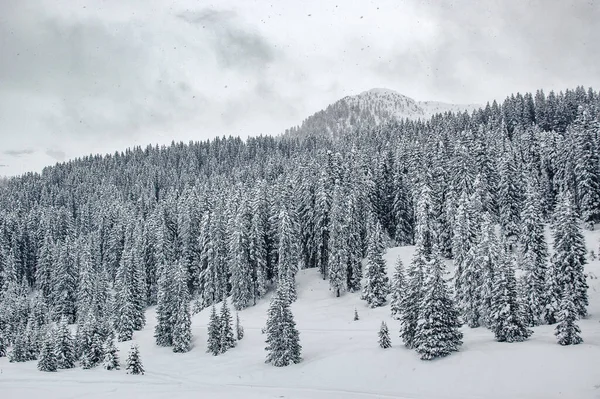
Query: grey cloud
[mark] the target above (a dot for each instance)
(19, 153)
(235, 45)
(56, 154)
(100, 78)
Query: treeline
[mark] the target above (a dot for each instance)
(98, 239)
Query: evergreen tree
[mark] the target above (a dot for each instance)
(462, 242)
(63, 346)
(397, 289)
(283, 339)
(437, 332)
(214, 332)
(226, 337)
(376, 280)
(20, 349)
(508, 325)
(238, 328)
(487, 259)
(587, 173)
(287, 252)
(338, 247)
(47, 360)
(567, 331)
(356, 315)
(413, 294)
(111, 355)
(242, 287)
(134, 362)
(534, 256)
(509, 195)
(165, 312)
(384, 336)
(182, 330)
(569, 258)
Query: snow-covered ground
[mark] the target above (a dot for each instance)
(341, 359)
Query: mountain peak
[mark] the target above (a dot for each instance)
(380, 90)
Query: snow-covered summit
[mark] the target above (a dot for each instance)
(371, 108)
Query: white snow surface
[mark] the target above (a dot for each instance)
(341, 359)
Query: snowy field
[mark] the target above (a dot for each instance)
(341, 359)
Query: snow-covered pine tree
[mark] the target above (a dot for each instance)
(214, 332)
(165, 308)
(509, 197)
(111, 355)
(470, 298)
(64, 346)
(239, 330)
(354, 242)
(124, 315)
(587, 173)
(287, 252)
(376, 286)
(242, 286)
(47, 359)
(462, 242)
(569, 258)
(552, 296)
(425, 240)
(403, 211)
(20, 350)
(398, 287)
(182, 329)
(437, 333)
(384, 336)
(567, 331)
(338, 242)
(283, 339)
(134, 362)
(356, 318)
(487, 259)
(534, 255)
(507, 321)
(226, 337)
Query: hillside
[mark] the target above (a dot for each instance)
(371, 108)
(341, 359)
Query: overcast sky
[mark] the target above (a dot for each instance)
(89, 76)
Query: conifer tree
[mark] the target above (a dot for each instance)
(376, 280)
(534, 256)
(287, 252)
(242, 287)
(462, 241)
(4, 341)
(552, 296)
(356, 315)
(111, 355)
(487, 259)
(338, 243)
(437, 332)
(63, 346)
(587, 173)
(214, 332)
(226, 337)
(238, 327)
(567, 331)
(509, 198)
(384, 336)
(163, 332)
(470, 298)
(424, 239)
(569, 256)
(283, 339)
(47, 360)
(20, 349)
(134, 362)
(397, 289)
(508, 325)
(182, 329)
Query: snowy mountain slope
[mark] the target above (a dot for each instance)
(341, 359)
(371, 108)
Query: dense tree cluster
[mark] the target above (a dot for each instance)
(96, 240)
